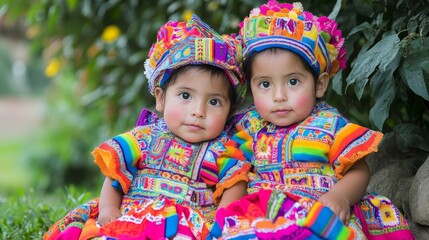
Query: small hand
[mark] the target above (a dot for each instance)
(108, 215)
(338, 204)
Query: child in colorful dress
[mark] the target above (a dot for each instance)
(309, 172)
(163, 179)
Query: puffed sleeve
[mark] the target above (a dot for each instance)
(350, 144)
(234, 162)
(117, 158)
(248, 123)
(232, 168)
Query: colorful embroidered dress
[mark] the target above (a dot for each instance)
(304, 161)
(170, 186)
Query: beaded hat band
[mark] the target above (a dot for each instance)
(316, 39)
(194, 42)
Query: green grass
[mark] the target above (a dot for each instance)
(14, 173)
(26, 213)
(29, 214)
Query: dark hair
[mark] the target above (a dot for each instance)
(212, 70)
(249, 61)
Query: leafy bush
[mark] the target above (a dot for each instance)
(391, 62)
(389, 69)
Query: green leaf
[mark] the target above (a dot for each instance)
(381, 54)
(53, 16)
(412, 136)
(104, 7)
(87, 9)
(337, 83)
(91, 97)
(398, 23)
(114, 75)
(424, 26)
(360, 28)
(413, 65)
(364, 7)
(379, 19)
(425, 66)
(3, 10)
(337, 7)
(412, 24)
(391, 55)
(133, 92)
(383, 89)
(137, 57)
(71, 4)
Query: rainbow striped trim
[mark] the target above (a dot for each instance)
(310, 150)
(110, 155)
(130, 150)
(322, 221)
(298, 47)
(209, 172)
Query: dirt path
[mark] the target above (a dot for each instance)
(19, 117)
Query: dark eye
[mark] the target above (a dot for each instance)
(293, 82)
(264, 84)
(214, 102)
(185, 95)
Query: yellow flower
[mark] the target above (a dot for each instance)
(111, 33)
(263, 147)
(179, 155)
(53, 67)
(388, 215)
(187, 15)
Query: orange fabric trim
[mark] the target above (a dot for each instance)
(90, 230)
(343, 138)
(109, 166)
(53, 232)
(220, 188)
(347, 163)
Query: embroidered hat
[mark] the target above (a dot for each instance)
(316, 39)
(194, 42)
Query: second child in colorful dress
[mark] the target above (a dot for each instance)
(309, 172)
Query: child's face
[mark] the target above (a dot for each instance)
(195, 106)
(283, 89)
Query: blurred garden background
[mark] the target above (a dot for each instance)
(71, 76)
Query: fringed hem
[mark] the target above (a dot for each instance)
(108, 166)
(347, 163)
(220, 188)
